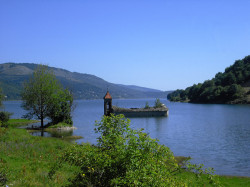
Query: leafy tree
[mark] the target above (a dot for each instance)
(229, 79)
(44, 97)
(194, 92)
(218, 78)
(235, 92)
(147, 106)
(1, 97)
(4, 118)
(178, 95)
(158, 103)
(207, 84)
(62, 106)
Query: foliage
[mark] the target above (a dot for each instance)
(223, 88)
(62, 106)
(44, 97)
(59, 125)
(1, 97)
(3, 179)
(233, 181)
(25, 160)
(123, 157)
(147, 106)
(4, 117)
(158, 103)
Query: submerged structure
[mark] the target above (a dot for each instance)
(108, 109)
(133, 112)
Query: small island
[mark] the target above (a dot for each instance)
(157, 111)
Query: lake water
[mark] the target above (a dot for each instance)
(216, 135)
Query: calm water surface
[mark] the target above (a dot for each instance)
(216, 135)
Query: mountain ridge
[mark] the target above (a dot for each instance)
(83, 85)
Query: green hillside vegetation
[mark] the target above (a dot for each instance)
(83, 86)
(232, 87)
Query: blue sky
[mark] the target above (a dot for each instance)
(162, 44)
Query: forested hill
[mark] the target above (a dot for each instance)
(84, 86)
(232, 86)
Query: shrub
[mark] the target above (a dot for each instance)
(124, 157)
(158, 103)
(147, 106)
(4, 117)
(3, 179)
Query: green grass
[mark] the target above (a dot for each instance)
(26, 160)
(60, 125)
(234, 181)
(227, 181)
(20, 122)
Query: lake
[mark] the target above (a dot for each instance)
(216, 135)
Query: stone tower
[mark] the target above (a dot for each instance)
(107, 104)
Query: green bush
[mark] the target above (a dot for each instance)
(158, 103)
(3, 179)
(123, 157)
(4, 117)
(147, 106)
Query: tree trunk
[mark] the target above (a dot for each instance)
(42, 120)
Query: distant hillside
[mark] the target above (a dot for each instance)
(84, 86)
(232, 86)
(139, 88)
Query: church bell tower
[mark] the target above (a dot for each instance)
(107, 104)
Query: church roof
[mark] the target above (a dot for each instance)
(107, 96)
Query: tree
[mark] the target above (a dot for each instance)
(4, 118)
(44, 97)
(62, 107)
(229, 79)
(235, 91)
(158, 103)
(147, 106)
(1, 97)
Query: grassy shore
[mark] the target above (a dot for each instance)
(27, 160)
(20, 122)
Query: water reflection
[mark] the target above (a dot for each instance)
(159, 121)
(52, 133)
